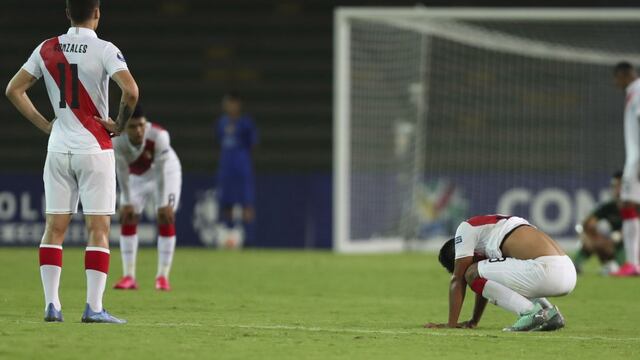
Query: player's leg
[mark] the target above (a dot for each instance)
(97, 188)
(168, 200)
(129, 219)
(61, 198)
(630, 194)
(497, 293)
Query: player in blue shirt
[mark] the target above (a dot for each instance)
(237, 135)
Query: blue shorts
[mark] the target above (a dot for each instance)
(236, 189)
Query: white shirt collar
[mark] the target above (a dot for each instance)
(81, 31)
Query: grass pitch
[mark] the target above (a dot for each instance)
(297, 305)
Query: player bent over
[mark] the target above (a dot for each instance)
(80, 165)
(508, 262)
(147, 167)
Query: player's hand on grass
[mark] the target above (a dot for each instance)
(108, 124)
(462, 325)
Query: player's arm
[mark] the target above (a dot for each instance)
(128, 102)
(17, 93)
(457, 290)
(161, 156)
(478, 310)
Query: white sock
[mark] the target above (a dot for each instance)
(129, 250)
(546, 304)
(506, 298)
(166, 248)
(631, 238)
(50, 275)
(50, 270)
(96, 267)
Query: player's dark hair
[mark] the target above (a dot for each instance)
(81, 10)
(447, 256)
(623, 67)
(617, 175)
(138, 112)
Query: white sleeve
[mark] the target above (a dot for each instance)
(113, 60)
(32, 66)
(465, 240)
(122, 172)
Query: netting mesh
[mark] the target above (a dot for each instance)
(447, 117)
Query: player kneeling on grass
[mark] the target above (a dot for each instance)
(147, 167)
(507, 261)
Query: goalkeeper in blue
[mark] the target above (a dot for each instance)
(510, 263)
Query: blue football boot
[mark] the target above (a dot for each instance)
(89, 316)
(52, 315)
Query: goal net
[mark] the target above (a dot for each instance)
(443, 114)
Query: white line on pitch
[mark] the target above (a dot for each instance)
(465, 333)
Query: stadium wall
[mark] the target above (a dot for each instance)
(294, 211)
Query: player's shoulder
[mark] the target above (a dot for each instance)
(480, 220)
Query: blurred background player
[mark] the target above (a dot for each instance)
(601, 233)
(626, 78)
(147, 168)
(80, 165)
(236, 132)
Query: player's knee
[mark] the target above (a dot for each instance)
(166, 216)
(472, 273)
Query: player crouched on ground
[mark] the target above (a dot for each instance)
(601, 233)
(507, 261)
(147, 167)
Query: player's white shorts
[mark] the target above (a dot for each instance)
(630, 190)
(142, 188)
(540, 277)
(88, 178)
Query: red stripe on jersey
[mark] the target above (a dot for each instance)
(144, 161)
(96, 260)
(87, 109)
(50, 256)
(486, 219)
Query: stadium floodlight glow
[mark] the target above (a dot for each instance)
(413, 86)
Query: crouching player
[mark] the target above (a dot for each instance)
(510, 263)
(147, 167)
(601, 233)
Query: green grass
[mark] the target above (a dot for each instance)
(297, 305)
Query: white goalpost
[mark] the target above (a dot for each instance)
(440, 114)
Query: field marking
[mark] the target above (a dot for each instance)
(459, 333)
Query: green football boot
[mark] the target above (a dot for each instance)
(530, 321)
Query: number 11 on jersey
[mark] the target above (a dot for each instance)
(62, 70)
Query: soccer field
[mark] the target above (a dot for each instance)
(297, 305)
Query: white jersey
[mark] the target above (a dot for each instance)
(483, 235)
(632, 129)
(152, 161)
(76, 67)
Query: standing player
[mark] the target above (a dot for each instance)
(524, 266)
(147, 167)
(80, 163)
(237, 135)
(626, 78)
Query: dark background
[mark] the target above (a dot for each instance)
(186, 53)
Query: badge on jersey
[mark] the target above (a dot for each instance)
(458, 239)
(121, 57)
